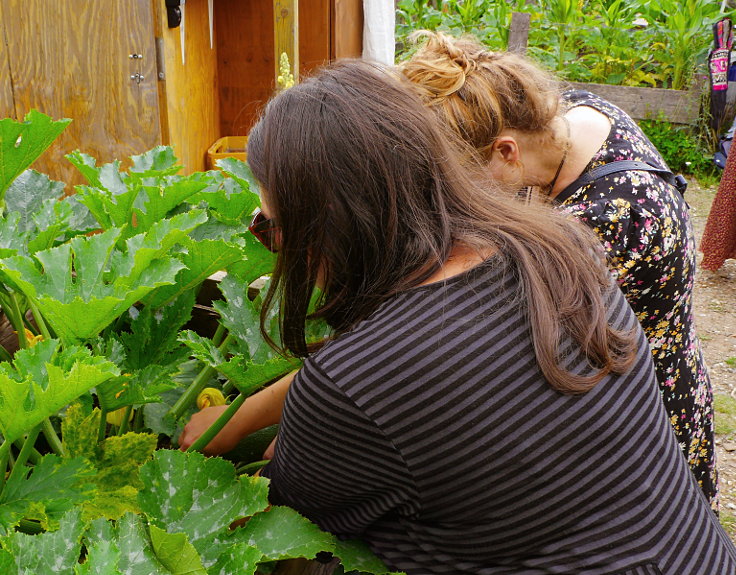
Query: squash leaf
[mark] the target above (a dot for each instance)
(82, 286)
(47, 381)
(133, 552)
(116, 461)
(21, 143)
(53, 487)
(355, 555)
(281, 533)
(49, 553)
(188, 493)
(175, 552)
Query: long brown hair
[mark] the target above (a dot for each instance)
(478, 93)
(371, 198)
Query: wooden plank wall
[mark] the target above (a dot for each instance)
(245, 45)
(189, 100)
(71, 59)
(7, 106)
(347, 29)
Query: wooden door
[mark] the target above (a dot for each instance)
(91, 61)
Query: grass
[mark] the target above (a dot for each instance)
(731, 362)
(725, 407)
(728, 521)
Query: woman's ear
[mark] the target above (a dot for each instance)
(508, 149)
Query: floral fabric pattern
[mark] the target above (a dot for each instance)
(644, 225)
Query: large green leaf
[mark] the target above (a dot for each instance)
(53, 487)
(246, 375)
(82, 286)
(21, 143)
(159, 161)
(281, 533)
(355, 555)
(49, 553)
(48, 381)
(116, 460)
(175, 552)
(202, 259)
(240, 172)
(188, 493)
(230, 203)
(132, 551)
(103, 558)
(107, 176)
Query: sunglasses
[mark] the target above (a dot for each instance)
(266, 231)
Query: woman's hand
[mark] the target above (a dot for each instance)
(223, 442)
(258, 411)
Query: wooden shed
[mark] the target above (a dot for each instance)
(129, 81)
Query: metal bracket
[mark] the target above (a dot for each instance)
(160, 67)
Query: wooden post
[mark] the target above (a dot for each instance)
(286, 34)
(519, 32)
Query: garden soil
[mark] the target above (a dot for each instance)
(715, 316)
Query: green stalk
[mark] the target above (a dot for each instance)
(124, 425)
(40, 321)
(34, 457)
(5, 355)
(20, 325)
(30, 527)
(252, 467)
(25, 452)
(4, 457)
(219, 334)
(50, 434)
(102, 431)
(217, 426)
(200, 382)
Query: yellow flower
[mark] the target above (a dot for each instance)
(30, 338)
(285, 78)
(210, 397)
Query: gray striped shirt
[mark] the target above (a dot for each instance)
(430, 432)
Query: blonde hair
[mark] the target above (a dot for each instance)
(477, 93)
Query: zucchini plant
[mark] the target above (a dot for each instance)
(100, 287)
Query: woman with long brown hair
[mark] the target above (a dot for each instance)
(515, 123)
(488, 402)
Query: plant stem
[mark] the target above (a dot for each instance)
(30, 527)
(5, 355)
(217, 426)
(219, 334)
(50, 434)
(39, 321)
(200, 382)
(252, 467)
(25, 452)
(18, 323)
(34, 457)
(4, 457)
(103, 425)
(124, 425)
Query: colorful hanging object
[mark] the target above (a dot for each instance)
(718, 61)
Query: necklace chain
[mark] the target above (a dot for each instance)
(551, 185)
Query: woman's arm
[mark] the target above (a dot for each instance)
(259, 410)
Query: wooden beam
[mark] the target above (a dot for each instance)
(286, 34)
(347, 29)
(676, 106)
(519, 32)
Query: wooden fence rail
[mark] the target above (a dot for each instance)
(676, 106)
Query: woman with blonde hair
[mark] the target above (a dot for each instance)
(515, 124)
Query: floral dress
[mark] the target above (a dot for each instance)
(645, 228)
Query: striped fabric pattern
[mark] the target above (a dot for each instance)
(430, 432)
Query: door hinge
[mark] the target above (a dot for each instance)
(160, 68)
